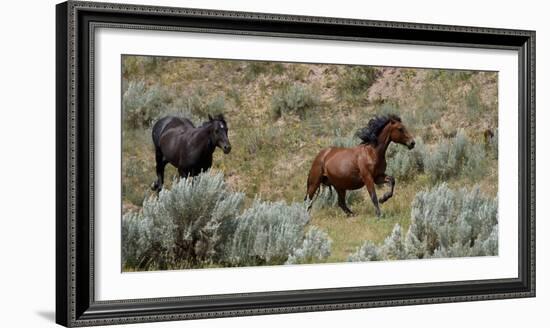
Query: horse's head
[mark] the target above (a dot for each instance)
(399, 133)
(219, 133)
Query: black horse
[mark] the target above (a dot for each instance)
(178, 142)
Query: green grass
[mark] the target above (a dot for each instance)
(271, 159)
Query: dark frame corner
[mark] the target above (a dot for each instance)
(75, 304)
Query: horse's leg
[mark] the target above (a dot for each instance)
(369, 183)
(342, 201)
(329, 186)
(389, 180)
(184, 173)
(157, 185)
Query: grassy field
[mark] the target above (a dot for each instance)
(281, 115)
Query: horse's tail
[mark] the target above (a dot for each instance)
(315, 175)
(158, 127)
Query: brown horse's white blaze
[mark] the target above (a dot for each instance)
(363, 165)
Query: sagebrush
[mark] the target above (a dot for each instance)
(200, 222)
(456, 156)
(404, 164)
(328, 197)
(271, 233)
(355, 81)
(295, 99)
(444, 223)
(182, 226)
(142, 103)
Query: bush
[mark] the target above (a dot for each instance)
(386, 109)
(474, 105)
(444, 223)
(454, 157)
(367, 252)
(476, 161)
(348, 141)
(254, 69)
(315, 247)
(431, 101)
(404, 164)
(326, 198)
(257, 140)
(141, 104)
(268, 233)
(354, 81)
(492, 145)
(198, 103)
(454, 223)
(294, 100)
(136, 241)
(183, 225)
(199, 222)
(141, 65)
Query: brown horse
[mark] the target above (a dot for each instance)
(363, 165)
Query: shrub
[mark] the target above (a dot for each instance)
(136, 241)
(387, 108)
(180, 112)
(354, 81)
(444, 223)
(367, 252)
(492, 145)
(185, 224)
(348, 141)
(451, 157)
(431, 101)
(268, 233)
(259, 139)
(134, 172)
(400, 164)
(235, 94)
(141, 104)
(198, 103)
(294, 100)
(474, 105)
(476, 161)
(436, 163)
(403, 163)
(454, 223)
(394, 247)
(315, 247)
(199, 222)
(141, 65)
(345, 141)
(254, 69)
(326, 198)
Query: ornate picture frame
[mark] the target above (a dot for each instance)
(77, 22)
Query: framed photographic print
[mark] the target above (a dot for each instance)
(214, 163)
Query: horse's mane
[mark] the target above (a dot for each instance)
(211, 119)
(369, 134)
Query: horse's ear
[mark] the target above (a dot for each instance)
(394, 121)
(394, 118)
(221, 117)
(210, 118)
